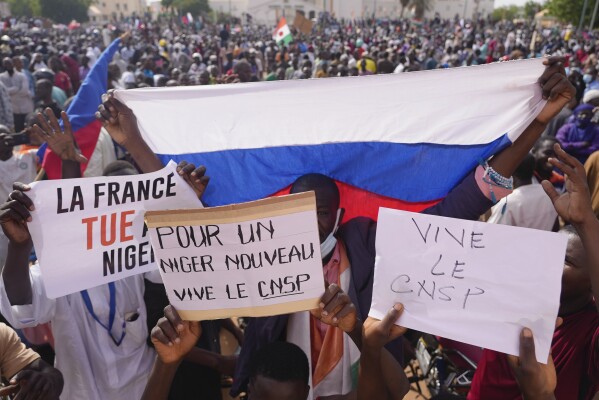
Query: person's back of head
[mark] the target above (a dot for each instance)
(281, 371)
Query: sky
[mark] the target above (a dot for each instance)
(500, 3)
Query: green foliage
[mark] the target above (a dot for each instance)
(531, 8)
(26, 8)
(194, 7)
(507, 13)
(570, 10)
(64, 11)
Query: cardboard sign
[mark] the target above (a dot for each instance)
(90, 231)
(253, 259)
(469, 281)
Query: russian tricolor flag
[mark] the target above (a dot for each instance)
(81, 112)
(401, 141)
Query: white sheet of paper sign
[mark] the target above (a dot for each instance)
(469, 281)
(90, 231)
(252, 259)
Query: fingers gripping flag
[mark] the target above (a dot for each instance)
(81, 113)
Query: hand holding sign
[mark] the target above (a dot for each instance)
(536, 380)
(195, 177)
(61, 142)
(14, 214)
(378, 333)
(574, 205)
(336, 309)
(173, 338)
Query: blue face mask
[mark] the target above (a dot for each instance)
(587, 78)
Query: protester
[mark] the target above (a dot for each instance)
(97, 360)
(28, 376)
(575, 345)
(270, 364)
(527, 206)
(581, 137)
(349, 255)
(14, 167)
(17, 85)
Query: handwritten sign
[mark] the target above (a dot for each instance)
(469, 281)
(91, 231)
(253, 259)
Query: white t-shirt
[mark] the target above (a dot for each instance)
(93, 366)
(527, 207)
(19, 168)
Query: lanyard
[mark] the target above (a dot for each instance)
(111, 315)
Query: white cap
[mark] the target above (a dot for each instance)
(590, 96)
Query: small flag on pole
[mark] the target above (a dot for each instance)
(282, 33)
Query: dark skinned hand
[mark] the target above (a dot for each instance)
(174, 338)
(118, 120)
(336, 309)
(195, 177)
(61, 141)
(15, 213)
(557, 89)
(574, 204)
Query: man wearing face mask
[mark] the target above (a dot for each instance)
(580, 138)
(590, 78)
(348, 257)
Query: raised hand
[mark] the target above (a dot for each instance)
(173, 338)
(195, 177)
(537, 381)
(15, 213)
(62, 142)
(336, 309)
(118, 120)
(556, 87)
(377, 333)
(574, 205)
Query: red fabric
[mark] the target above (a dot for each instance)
(63, 81)
(575, 351)
(86, 138)
(361, 203)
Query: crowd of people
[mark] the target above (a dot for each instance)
(146, 351)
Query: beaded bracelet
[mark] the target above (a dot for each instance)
(494, 178)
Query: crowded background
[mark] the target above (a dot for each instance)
(43, 67)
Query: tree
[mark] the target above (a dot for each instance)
(420, 7)
(404, 4)
(506, 13)
(194, 7)
(569, 10)
(167, 4)
(531, 8)
(64, 11)
(27, 8)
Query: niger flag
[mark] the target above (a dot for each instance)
(282, 33)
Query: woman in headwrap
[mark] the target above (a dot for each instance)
(580, 138)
